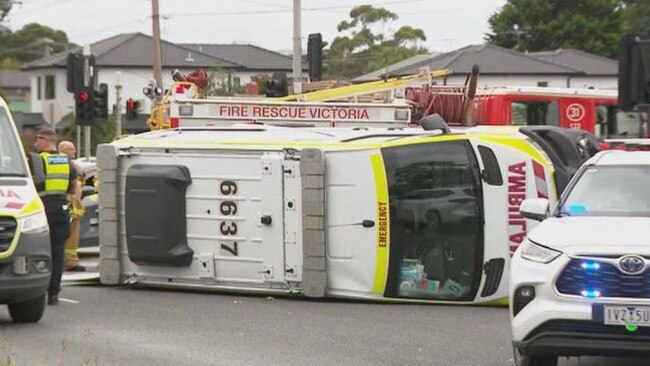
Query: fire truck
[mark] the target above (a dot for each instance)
(591, 110)
(266, 197)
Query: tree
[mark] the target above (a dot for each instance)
(362, 45)
(5, 7)
(30, 43)
(636, 17)
(538, 25)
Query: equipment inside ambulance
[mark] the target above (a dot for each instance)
(25, 260)
(364, 212)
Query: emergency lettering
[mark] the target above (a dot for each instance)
(516, 195)
(383, 223)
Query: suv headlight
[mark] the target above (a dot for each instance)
(538, 253)
(33, 224)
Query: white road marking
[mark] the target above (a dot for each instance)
(68, 300)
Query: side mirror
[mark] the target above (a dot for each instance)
(534, 208)
(38, 168)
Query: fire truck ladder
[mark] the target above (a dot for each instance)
(365, 88)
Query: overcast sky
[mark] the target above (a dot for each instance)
(266, 23)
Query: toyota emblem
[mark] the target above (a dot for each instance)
(632, 264)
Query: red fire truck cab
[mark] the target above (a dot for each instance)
(587, 109)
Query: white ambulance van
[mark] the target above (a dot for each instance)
(393, 214)
(25, 260)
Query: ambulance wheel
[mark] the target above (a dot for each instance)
(521, 359)
(432, 218)
(29, 311)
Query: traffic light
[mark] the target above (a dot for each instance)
(132, 107)
(315, 46)
(75, 72)
(101, 101)
(277, 86)
(84, 106)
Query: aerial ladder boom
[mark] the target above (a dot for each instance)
(349, 91)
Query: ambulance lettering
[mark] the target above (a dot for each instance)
(383, 224)
(6, 193)
(516, 194)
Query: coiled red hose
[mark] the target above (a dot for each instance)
(448, 102)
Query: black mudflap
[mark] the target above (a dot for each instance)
(156, 229)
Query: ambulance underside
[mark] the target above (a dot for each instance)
(332, 221)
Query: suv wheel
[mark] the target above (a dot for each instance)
(29, 311)
(521, 359)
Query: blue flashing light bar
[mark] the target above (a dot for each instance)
(592, 294)
(590, 265)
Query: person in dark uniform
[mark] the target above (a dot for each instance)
(60, 176)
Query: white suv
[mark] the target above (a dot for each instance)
(580, 283)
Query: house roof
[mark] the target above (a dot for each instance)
(250, 56)
(23, 120)
(134, 50)
(491, 59)
(586, 62)
(14, 79)
(387, 71)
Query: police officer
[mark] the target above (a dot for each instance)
(60, 176)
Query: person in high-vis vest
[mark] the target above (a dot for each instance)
(76, 212)
(60, 176)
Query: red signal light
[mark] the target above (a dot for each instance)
(83, 96)
(130, 104)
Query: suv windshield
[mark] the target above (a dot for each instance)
(610, 191)
(436, 222)
(11, 156)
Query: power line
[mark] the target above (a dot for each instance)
(114, 26)
(38, 8)
(265, 4)
(323, 8)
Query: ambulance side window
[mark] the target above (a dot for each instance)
(491, 173)
(435, 221)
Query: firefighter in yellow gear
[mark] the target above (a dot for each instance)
(75, 210)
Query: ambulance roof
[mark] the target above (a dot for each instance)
(265, 136)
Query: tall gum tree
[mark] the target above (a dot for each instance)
(366, 42)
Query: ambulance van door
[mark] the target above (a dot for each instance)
(213, 218)
(436, 221)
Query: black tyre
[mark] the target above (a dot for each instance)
(29, 311)
(521, 359)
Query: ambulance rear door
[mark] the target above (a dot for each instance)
(212, 217)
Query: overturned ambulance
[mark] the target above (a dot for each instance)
(392, 213)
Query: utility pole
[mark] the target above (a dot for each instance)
(118, 105)
(297, 49)
(157, 58)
